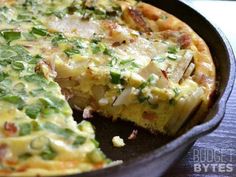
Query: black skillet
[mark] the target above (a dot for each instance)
(151, 155)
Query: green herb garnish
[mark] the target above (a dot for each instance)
(58, 38)
(3, 75)
(35, 59)
(19, 88)
(97, 48)
(58, 130)
(176, 91)
(115, 77)
(33, 110)
(79, 140)
(29, 36)
(71, 52)
(173, 49)
(39, 31)
(18, 65)
(10, 36)
(14, 99)
(25, 129)
(36, 78)
(48, 153)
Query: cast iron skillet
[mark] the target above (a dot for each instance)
(151, 155)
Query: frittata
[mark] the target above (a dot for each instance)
(120, 58)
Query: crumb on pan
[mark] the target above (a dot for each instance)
(87, 113)
(133, 135)
(118, 141)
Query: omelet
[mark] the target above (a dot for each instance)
(120, 58)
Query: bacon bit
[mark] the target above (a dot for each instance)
(151, 16)
(168, 34)
(131, 40)
(136, 19)
(111, 26)
(23, 168)
(11, 162)
(87, 113)
(149, 116)
(98, 165)
(184, 40)
(116, 44)
(10, 129)
(5, 171)
(149, 11)
(164, 74)
(3, 151)
(133, 135)
(202, 79)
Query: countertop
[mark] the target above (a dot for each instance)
(214, 154)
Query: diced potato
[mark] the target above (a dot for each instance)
(182, 66)
(152, 68)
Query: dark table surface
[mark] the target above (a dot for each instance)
(216, 151)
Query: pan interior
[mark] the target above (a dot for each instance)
(106, 129)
